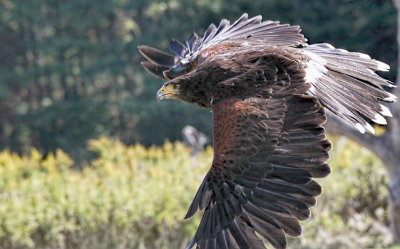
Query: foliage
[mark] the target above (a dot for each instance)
(136, 197)
(126, 198)
(352, 210)
(70, 71)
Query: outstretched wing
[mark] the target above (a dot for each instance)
(267, 149)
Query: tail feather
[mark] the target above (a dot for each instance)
(347, 84)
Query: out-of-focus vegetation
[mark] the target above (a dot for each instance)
(70, 70)
(128, 197)
(136, 197)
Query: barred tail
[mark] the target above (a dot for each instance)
(346, 83)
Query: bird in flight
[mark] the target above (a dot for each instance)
(267, 90)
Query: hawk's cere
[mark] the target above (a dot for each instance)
(266, 88)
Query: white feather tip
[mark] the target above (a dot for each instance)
(382, 66)
(390, 98)
(360, 128)
(370, 129)
(379, 119)
(385, 111)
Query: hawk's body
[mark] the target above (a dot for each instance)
(265, 86)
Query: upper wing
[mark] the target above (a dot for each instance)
(254, 29)
(266, 152)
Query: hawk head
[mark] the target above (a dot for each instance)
(180, 62)
(183, 59)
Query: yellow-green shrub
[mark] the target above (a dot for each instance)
(136, 197)
(352, 210)
(129, 197)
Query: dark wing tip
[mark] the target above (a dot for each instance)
(157, 56)
(154, 69)
(193, 41)
(177, 48)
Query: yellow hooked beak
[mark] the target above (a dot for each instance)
(168, 91)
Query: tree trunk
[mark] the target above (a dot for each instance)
(392, 158)
(386, 146)
(394, 201)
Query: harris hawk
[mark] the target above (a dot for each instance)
(266, 89)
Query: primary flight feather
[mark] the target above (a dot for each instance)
(266, 88)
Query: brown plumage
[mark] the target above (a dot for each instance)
(265, 86)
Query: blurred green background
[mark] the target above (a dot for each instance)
(75, 105)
